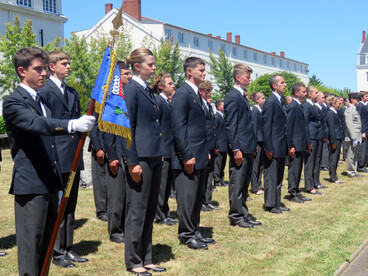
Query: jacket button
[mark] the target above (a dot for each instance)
(160, 134)
(157, 120)
(55, 162)
(52, 146)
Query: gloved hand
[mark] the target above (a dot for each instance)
(355, 143)
(83, 124)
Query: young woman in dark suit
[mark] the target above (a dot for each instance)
(144, 164)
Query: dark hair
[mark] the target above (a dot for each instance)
(297, 86)
(219, 102)
(138, 56)
(25, 56)
(159, 79)
(192, 62)
(362, 94)
(273, 80)
(122, 65)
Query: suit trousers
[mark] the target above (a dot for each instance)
(163, 210)
(99, 173)
(326, 152)
(334, 160)
(220, 164)
(256, 179)
(295, 172)
(362, 154)
(238, 188)
(273, 176)
(344, 150)
(35, 217)
(351, 159)
(141, 206)
(209, 178)
(190, 190)
(64, 240)
(312, 165)
(116, 185)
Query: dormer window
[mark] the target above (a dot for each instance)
(25, 3)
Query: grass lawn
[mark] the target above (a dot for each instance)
(315, 238)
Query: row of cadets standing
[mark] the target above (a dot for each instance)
(362, 108)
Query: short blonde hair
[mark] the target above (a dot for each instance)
(205, 86)
(240, 69)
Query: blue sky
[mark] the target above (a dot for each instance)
(325, 34)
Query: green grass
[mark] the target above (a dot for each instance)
(315, 238)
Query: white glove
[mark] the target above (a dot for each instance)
(355, 143)
(83, 124)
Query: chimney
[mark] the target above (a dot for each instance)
(108, 8)
(363, 37)
(282, 54)
(133, 8)
(228, 36)
(274, 53)
(237, 39)
(209, 34)
(218, 36)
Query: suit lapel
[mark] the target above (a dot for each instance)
(144, 92)
(279, 103)
(71, 97)
(30, 101)
(56, 90)
(195, 96)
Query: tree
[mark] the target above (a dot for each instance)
(222, 70)
(314, 81)
(169, 60)
(53, 45)
(16, 37)
(262, 83)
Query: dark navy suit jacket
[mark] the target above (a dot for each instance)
(257, 124)
(295, 127)
(363, 112)
(166, 127)
(335, 126)
(189, 128)
(144, 119)
(221, 133)
(312, 121)
(66, 145)
(324, 126)
(211, 128)
(274, 127)
(239, 125)
(36, 166)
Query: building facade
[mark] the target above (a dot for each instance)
(362, 64)
(192, 43)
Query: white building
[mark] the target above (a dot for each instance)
(192, 43)
(362, 64)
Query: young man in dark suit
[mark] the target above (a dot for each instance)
(362, 154)
(297, 141)
(222, 144)
(2, 254)
(37, 175)
(64, 104)
(191, 153)
(242, 142)
(274, 133)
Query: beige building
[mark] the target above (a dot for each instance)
(362, 64)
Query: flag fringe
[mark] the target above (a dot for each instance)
(116, 130)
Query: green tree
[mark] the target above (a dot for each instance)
(124, 43)
(53, 45)
(222, 70)
(16, 37)
(169, 60)
(314, 81)
(262, 83)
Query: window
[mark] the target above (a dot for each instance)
(288, 65)
(245, 54)
(256, 76)
(210, 44)
(25, 3)
(273, 61)
(167, 34)
(264, 59)
(255, 56)
(49, 6)
(196, 41)
(306, 69)
(181, 37)
(235, 51)
(223, 47)
(294, 66)
(280, 64)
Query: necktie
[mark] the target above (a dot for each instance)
(149, 92)
(65, 92)
(168, 102)
(38, 99)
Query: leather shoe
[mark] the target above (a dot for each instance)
(315, 193)
(324, 169)
(296, 199)
(253, 222)
(2, 254)
(173, 220)
(156, 269)
(205, 208)
(322, 187)
(117, 239)
(74, 257)
(242, 224)
(165, 221)
(300, 196)
(213, 207)
(362, 170)
(63, 262)
(196, 244)
(143, 273)
(274, 210)
(103, 217)
(283, 208)
(207, 240)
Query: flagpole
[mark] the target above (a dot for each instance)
(64, 200)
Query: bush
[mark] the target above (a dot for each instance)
(2, 125)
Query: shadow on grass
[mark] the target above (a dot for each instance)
(162, 253)
(79, 223)
(84, 248)
(8, 242)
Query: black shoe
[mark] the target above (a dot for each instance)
(315, 193)
(321, 187)
(207, 240)
(252, 221)
(173, 220)
(364, 170)
(143, 273)
(196, 244)
(249, 198)
(172, 195)
(213, 207)
(242, 224)
(74, 257)
(165, 221)
(324, 169)
(205, 208)
(283, 208)
(296, 199)
(63, 262)
(156, 269)
(273, 210)
(103, 217)
(2, 254)
(117, 238)
(300, 196)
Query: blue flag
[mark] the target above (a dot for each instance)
(103, 73)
